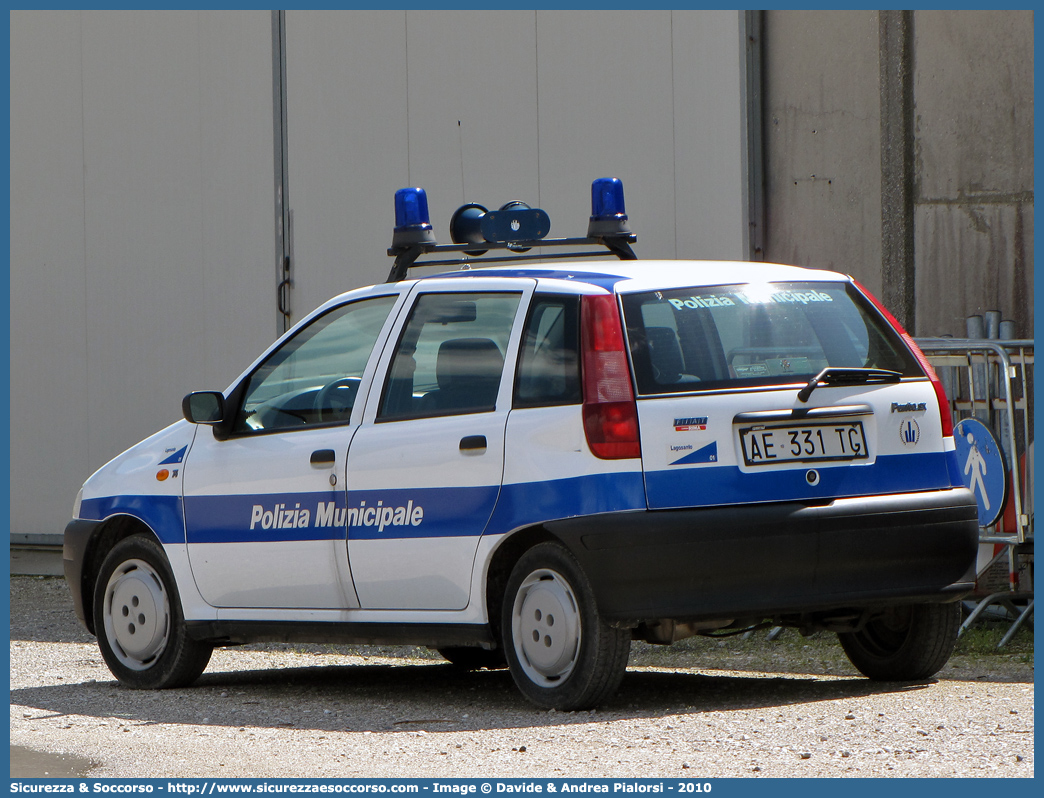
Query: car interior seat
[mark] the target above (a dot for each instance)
(468, 374)
(665, 355)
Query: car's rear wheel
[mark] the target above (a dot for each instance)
(904, 643)
(141, 631)
(562, 653)
(472, 658)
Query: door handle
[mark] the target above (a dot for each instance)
(323, 457)
(471, 443)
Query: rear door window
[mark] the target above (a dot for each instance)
(450, 356)
(725, 336)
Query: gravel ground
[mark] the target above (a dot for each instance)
(783, 709)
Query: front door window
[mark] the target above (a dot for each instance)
(313, 378)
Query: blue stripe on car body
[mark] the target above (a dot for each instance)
(606, 281)
(324, 515)
(710, 486)
(164, 515)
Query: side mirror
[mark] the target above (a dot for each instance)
(204, 407)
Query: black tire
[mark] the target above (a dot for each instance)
(562, 654)
(905, 643)
(137, 611)
(473, 658)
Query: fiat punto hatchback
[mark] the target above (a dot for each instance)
(530, 464)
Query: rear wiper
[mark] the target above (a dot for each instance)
(840, 376)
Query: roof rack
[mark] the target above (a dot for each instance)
(515, 227)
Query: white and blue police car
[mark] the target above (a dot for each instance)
(532, 460)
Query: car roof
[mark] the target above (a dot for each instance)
(646, 275)
(618, 276)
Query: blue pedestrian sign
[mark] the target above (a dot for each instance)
(981, 463)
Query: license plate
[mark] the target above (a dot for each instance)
(807, 443)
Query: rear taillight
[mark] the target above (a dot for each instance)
(940, 392)
(610, 411)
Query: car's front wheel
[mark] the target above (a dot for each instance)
(137, 613)
(561, 652)
(904, 643)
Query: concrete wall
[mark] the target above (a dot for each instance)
(971, 139)
(822, 141)
(974, 199)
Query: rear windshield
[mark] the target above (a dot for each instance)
(726, 336)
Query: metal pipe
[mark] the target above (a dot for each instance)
(998, 421)
(1015, 626)
(978, 382)
(987, 348)
(992, 320)
(974, 326)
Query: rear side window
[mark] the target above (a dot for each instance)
(549, 360)
(717, 337)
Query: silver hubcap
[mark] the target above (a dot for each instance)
(136, 614)
(545, 627)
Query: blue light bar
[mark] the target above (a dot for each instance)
(412, 223)
(608, 213)
(607, 198)
(411, 209)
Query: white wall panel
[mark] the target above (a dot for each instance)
(178, 255)
(546, 102)
(347, 138)
(237, 192)
(142, 238)
(142, 179)
(373, 102)
(143, 193)
(49, 457)
(711, 203)
(606, 110)
(478, 68)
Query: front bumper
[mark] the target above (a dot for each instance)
(766, 560)
(74, 552)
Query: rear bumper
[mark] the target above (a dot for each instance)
(764, 560)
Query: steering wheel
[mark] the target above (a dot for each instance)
(335, 400)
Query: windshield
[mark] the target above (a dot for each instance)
(708, 338)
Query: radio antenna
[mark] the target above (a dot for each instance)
(460, 142)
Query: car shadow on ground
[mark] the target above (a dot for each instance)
(435, 697)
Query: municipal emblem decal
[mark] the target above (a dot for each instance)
(909, 432)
